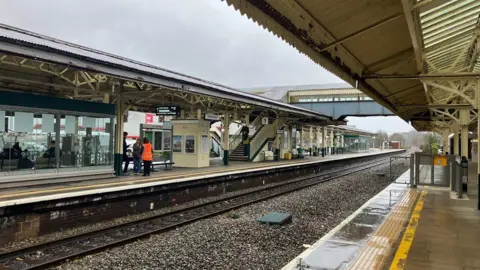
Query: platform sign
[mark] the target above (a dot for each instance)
(212, 117)
(440, 161)
(148, 118)
(168, 110)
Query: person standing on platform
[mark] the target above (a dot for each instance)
(137, 156)
(245, 138)
(276, 144)
(147, 157)
(125, 156)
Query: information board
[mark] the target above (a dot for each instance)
(168, 110)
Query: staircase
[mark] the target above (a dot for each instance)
(236, 142)
(237, 153)
(216, 144)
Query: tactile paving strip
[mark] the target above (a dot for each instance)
(377, 252)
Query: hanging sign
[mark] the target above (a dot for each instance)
(168, 110)
(212, 117)
(148, 118)
(264, 120)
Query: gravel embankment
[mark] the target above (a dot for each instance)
(224, 242)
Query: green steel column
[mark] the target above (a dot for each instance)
(118, 158)
(226, 138)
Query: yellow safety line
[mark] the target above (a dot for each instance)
(400, 259)
(137, 181)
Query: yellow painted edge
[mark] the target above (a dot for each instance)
(401, 255)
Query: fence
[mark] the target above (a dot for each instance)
(443, 171)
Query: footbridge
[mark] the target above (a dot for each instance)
(335, 100)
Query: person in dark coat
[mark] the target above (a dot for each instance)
(50, 153)
(125, 149)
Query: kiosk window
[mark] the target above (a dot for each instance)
(167, 141)
(177, 143)
(189, 144)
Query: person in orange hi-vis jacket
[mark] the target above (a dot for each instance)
(147, 156)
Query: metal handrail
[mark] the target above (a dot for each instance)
(256, 142)
(236, 138)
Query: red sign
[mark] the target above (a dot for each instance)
(149, 118)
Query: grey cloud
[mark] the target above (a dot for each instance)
(203, 38)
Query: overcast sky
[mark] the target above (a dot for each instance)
(203, 38)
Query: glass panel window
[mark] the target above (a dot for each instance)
(157, 142)
(177, 143)
(167, 140)
(190, 144)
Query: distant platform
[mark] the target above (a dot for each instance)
(54, 189)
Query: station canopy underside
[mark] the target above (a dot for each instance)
(34, 63)
(417, 58)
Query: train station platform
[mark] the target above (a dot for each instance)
(403, 228)
(14, 193)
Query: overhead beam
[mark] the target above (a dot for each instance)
(458, 75)
(361, 31)
(391, 61)
(403, 91)
(414, 32)
(437, 106)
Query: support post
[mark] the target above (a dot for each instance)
(464, 121)
(310, 135)
(332, 139)
(417, 169)
(118, 159)
(111, 147)
(477, 95)
(301, 137)
(456, 140)
(412, 170)
(319, 137)
(199, 114)
(58, 118)
(324, 140)
(445, 134)
(453, 173)
(226, 138)
(432, 170)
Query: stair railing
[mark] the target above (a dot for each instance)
(266, 131)
(236, 138)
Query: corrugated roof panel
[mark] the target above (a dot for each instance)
(326, 92)
(448, 33)
(12, 33)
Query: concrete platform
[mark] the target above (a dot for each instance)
(448, 232)
(53, 189)
(403, 228)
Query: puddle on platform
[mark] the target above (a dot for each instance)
(339, 251)
(331, 255)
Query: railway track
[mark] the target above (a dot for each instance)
(41, 256)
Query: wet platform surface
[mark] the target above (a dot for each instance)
(405, 229)
(448, 231)
(357, 242)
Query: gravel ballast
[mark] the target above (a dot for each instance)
(238, 241)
